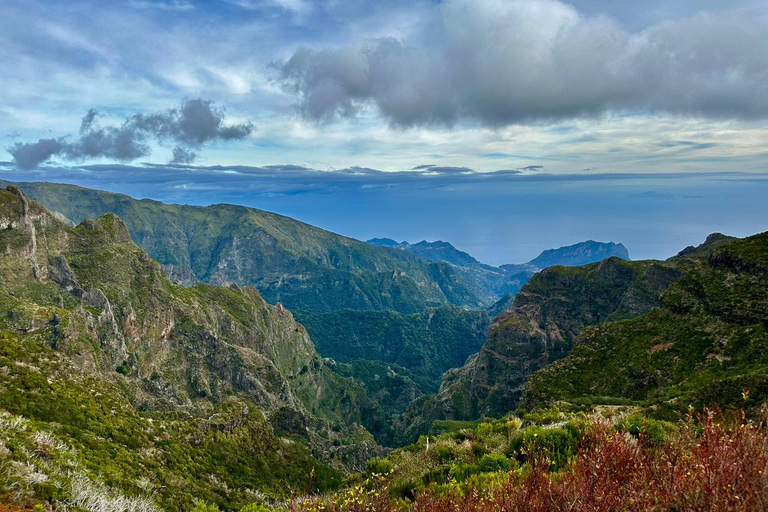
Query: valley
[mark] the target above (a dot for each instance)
(102, 353)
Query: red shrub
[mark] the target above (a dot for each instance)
(715, 464)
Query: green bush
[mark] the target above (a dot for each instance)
(444, 453)
(461, 472)
(542, 416)
(204, 507)
(378, 467)
(404, 489)
(650, 431)
(494, 462)
(557, 445)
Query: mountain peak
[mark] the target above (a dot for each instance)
(581, 253)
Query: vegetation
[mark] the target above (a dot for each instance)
(69, 437)
(427, 343)
(542, 327)
(704, 346)
(120, 390)
(707, 462)
(123, 391)
(304, 267)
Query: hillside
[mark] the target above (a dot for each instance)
(136, 377)
(304, 267)
(502, 283)
(540, 328)
(428, 343)
(705, 345)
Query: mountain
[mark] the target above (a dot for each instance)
(540, 328)
(304, 267)
(548, 318)
(492, 282)
(164, 393)
(705, 345)
(503, 282)
(387, 242)
(433, 251)
(582, 253)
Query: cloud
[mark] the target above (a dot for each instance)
(183, 156)
(28, 156)
(532, 168)
(503, 62)
(191, 125)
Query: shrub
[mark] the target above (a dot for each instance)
(650, 431)
(204, 507)
(713, 463)
(494, 462)
(555, 445)
(378, 467)
(444, 453)
(461, 472)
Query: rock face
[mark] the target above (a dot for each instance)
(706, 345)
(103, 303)
(540, 328)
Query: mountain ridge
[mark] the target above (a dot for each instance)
(85, 304)
(304, 267)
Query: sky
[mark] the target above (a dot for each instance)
(503, 126)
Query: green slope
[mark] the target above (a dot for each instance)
(540, 327)
(705, 345)
(427, 343)
(304, 267)
(199, 392)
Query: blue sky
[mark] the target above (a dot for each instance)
(608, 119)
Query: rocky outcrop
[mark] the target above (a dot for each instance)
(704, 346)
(541, 327)
(104, 303)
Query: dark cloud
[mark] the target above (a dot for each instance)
(183, 156)
(423, 166)
(191, 125)
(28, 156)
(532, 168)
(498, 63)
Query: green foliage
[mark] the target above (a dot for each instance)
(185, 457)
(493, 462)
(426, 343)
(124, 368)
(204, 507)
(650, 430)
(704, 346)
(378, 467)
(255, 507)
(542, 416)
(556, 445)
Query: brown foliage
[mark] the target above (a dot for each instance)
(714, 464)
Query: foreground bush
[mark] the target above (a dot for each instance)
(708, 465)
